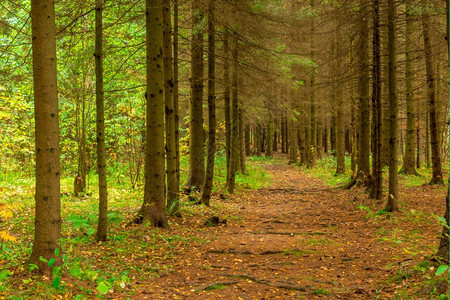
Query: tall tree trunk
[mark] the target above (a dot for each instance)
(392, 202)
(443, 250)
(227, 104)
(270, 137)
(363, 94)
(409, 167)
(435, 149)
(313, 127)
(101, 151)
(154, 208)
(293, 143)
(176, 86)
(340, 126)
(234, 155)
(247, 140)
(173, 203)
(206, 195)
(196, 140)
(241, 141)
(376, 188)
(47, 222)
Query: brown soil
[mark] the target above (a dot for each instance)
(299, 239)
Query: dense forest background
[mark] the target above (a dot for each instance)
(154, 106)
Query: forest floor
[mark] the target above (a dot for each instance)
(292, 237)
(300, 239)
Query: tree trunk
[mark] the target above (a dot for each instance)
(173, 203)
(376, 188)
(435, 149)
(392, 202)
(247, 140)
(363, 94)
(312, 100)
(270, 137)
(293, 143)
(153, 208)
(241, 141)
(234, 155)
(206, 195)
(101, 151)
(340, 126)
(409, 167)
(227, 105)
(175, 86)
(47, 222)
(196, 141)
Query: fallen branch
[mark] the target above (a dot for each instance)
(221, 251)
(213, 285)
(289, 233)
(288, 286)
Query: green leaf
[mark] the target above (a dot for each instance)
(4, 274)
(441, 269)
(51, 262)
(57, 252)
(43, 259)
(56, 283)
(103, 288)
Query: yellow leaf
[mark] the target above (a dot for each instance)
(6, 237)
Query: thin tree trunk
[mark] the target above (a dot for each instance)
(293, 143)
(241, 141)
(376, 189)
(153, 208)
(234, 155)
(340, 126)
(409, 167)
(313, 127)
(196, 141)
(247, 140)
(176, 86)
(435, 149)
(363, 94)
(173, 203)
(206, 195)
(47, 222)
(101, 151)
(392, 202)
(227, 105)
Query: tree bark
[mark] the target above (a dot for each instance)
(153, 208)
(340, 126)
(47, 196)
(196, 140)
(206, 195)
(363, 94)
(241, 141)
(431, 94)
(227, 103)
(392, 202)
(312, 100)
(173, 203)
(176, 86)
(376, 188)
(102, 226)
(234, 155)
(409, 167)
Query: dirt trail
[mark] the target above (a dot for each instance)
(295, 239)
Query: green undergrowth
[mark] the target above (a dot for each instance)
(131, 255)
(325, 169)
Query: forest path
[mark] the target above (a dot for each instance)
(296, 239)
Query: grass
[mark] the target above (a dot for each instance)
(131, 253)
(325, 169)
